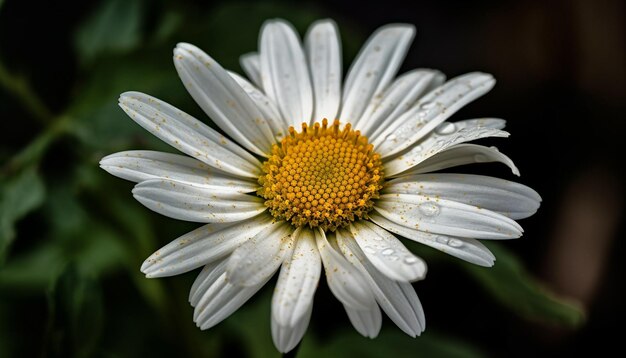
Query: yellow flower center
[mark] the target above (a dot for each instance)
(322, 176)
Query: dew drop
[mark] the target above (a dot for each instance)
(387, 252)
(393, 258)
(370, 249)
(445, 128)
(455, 243)
(421, 116)
(410, 260)
(391, 136)
(442, 240)
(429, 209)
(480, 158)
(427, 105)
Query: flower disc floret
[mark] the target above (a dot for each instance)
(322, 176)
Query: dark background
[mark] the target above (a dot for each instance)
(561, 87)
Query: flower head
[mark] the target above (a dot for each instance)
(314, 174)
(323, 177)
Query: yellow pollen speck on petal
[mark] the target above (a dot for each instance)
(321, 176)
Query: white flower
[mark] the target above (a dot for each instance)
(322, 194)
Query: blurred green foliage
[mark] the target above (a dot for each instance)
(19, 195)
(114, 27)
(510, 284)
(72, 238)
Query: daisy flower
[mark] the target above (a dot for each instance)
(308, 175)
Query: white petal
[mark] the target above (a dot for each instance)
(430, 111)
(366, 322)
(323, 50)
(297, 281)
(141, 165)
(226, 299)
(448, 135)
(374, 68)
(216, 297)
(461, 154)
(226, 103)
(260, 255)
(287, 338)
(191, 203)
(470, 250)
(508, 198)
(201, 246)
(387, 253)
(189, 135)
(251, 65)
(207, 277)
(285, 73)
(397, 99)
(269, 110)
(446, 217)
(397, 299)
(344, 280)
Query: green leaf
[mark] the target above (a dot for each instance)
(102, 250)
(168, 25)
(100, 124)
(34, 270)
(115, 26)
(252, 323)
(76, 315)
(135, 224)
(19, 195)
(84, 238)
(95, 250)
(75, 233)
(516, 289)
(390, 343)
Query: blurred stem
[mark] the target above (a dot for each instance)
(33, 152)
(20, 88)
(292, 353)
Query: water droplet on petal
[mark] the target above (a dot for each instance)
(442, 240)
(445, 128)
(391, 136)
(455, 243)
(429, 209)
(370, 249)
(410, 260)
(480, 158)
(427, 105)
(417, 149)
(387, 252)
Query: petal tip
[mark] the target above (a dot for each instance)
(487, 263)
(185, 46)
